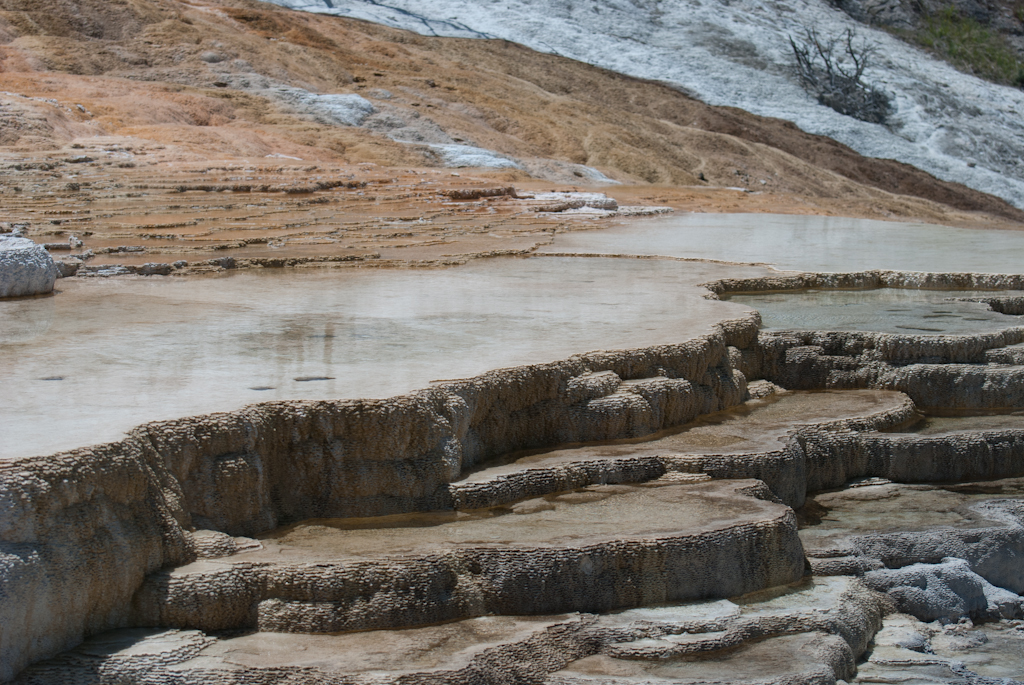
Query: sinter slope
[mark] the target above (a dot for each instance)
(222, 79)
(737, 54)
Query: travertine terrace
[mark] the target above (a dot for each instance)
(558, 492)
(319, 517)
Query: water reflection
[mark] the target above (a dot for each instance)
(24, 319)
(142, 349)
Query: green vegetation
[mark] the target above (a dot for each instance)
(969, 46)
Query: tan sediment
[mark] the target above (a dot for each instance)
(130, 92)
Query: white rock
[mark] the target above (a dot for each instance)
(469, 156)
(568, 201)
(345, 109)
(642, 210)
(25, 268)
(946, 591)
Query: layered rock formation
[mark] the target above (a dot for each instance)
(813, 643)
(248, 471)
(157, 529)
(595, 552)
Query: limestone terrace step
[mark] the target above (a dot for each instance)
(594, 550)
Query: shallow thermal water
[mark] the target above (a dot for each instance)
(1000, 653)
(806, 243)
(102, 356)
(885, 310)
(756, 425)
(775, 657)
(993, 650)
(890, 507)
(444, 646)
(575, 518)
(938, 425)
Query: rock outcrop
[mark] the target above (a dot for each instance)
(949, 371)
(593, 551)
(948, 590)
(25, 268)
(908, 650)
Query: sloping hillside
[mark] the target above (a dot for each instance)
(219, 79)
(737, 53)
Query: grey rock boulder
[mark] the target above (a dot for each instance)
(946, 592)
(25, 268)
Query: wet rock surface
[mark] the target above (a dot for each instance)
(759, 637)
(237, 336)
(592, 551)
(463, 500)
(752, 440)
(520, 649)
(961, 653)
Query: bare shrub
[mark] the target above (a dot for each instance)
(832, 69)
